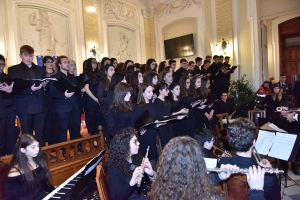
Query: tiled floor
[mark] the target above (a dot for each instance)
(292, 192)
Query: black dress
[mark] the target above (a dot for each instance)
(179, 126)
(163, 109)
(17, 189)
(92, 115)
(117, 120)
(118, 184)
(148, 139)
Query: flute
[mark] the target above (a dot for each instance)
(243, 170)
(142, 174)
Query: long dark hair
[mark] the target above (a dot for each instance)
(134, 81)
(20, 160)
(120, 150)
(204, 90)
(125, 65)
(104, 59)
(192, 90)
(105, 79)
(141, 99)
(183, 90)
(115, 79)
(148, 77)
(119, 94)
(161, 66)
(148, 65)
(45, 58)
(129, 70)
(92, 74)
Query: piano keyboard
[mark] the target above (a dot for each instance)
(65, 188)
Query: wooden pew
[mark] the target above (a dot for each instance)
(62, 167)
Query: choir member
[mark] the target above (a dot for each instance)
(8, 131)
(91, 103)
(124, 167)
(66, 107)
(151, 65)
(29, 175)
(136, 79)
(30, 104)
(115, 79)
(121, 113)
(166, 77)
(51, 135)
(144, 103)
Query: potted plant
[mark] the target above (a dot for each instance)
(242, 95)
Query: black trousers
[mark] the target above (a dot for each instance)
(34, 122)
(51, 128)
(92, 119)
(12, 130)
(2, 135)
(71, 121)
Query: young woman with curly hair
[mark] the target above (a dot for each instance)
(29, 175)
(124, 167)
(181, 174)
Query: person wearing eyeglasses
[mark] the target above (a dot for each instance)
(206, 140)
(164, 106)
(290, 127)
(51, 135)
(8, 131)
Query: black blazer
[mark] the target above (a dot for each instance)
(28, 102)
(62, 103)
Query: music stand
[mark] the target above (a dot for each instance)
(86, 182)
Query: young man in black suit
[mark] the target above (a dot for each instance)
(30, 103)
(183, 68)
(8, 131)
(198, 62)
(66, 107)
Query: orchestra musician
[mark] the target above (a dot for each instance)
(123, 167)
(291, 127)
(242, 136)
(29, 175)
(206, 140)
(181, 174)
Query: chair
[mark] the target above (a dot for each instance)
(158, 145)
(102, 184)
(220, 127)
(236, 187)
(4, 167)
(253, 115)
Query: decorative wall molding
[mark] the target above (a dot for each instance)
(122, 53)
(175, 6)
(121, 10)
(148, 13)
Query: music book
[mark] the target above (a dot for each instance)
(279, 145)
(63, 84)
(22, 84)
(210, 162)
(180, 106)
(145, 121)
(173, 117)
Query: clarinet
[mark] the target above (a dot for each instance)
(142, 174)
(243, 170)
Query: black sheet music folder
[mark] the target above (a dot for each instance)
(145, 121)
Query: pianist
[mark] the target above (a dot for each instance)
(29, 175)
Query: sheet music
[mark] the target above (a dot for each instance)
(283, 146)
(264, 141)
(273, 126)
(210, 162)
